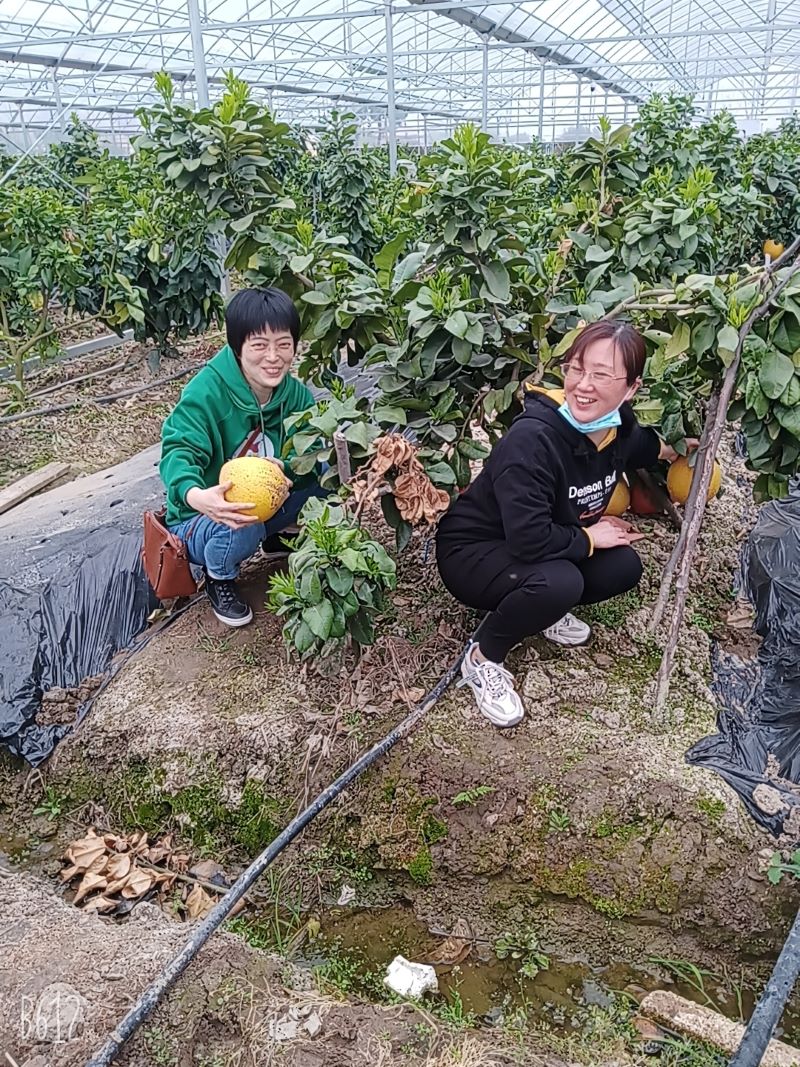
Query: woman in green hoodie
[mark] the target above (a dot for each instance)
(235, 406)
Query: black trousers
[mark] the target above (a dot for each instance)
(525, 598)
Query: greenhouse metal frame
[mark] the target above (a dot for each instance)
(411, 71)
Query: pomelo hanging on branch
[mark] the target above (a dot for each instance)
(773, 249)
(679, 480)
(255, 481)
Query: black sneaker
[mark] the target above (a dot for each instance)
(226, 603)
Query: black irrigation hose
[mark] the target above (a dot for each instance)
(175, 968)
(767, 1012)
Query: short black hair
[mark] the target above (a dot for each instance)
(251, 311)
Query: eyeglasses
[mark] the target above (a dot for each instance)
(574, 373)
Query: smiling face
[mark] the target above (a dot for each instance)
(266, 358)
(596, 383)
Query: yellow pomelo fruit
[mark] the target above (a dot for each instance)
(773, 249)
(679, 480)
(620, 500)
(257, 482)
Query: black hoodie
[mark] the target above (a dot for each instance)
(545, 482)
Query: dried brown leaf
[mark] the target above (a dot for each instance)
(118, 867)
(456, 947)
(137, 883)
(198, 903)
(83, 852)
(100, 904)
(91, 881)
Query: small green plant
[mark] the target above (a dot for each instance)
(274, 929)
(336, 584)
(51, 804)
(703, 622)
(559, 821)
(346, 972)
(712, 807)
(420, 867)
(778, 867)
(472, 795)
(160, 1047)
(706, 983)
(523, 946)
(454, 1013)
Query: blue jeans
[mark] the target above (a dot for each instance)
(219, 550)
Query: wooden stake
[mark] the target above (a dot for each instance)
(680, 561)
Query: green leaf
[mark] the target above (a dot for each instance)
(388, 414)
(441, 474)
(390, 511)
(457, 324)
(472, 449)
(596, 254)
(361, 629)
(340, 579)
(319, 619)
(407, 268)
(298, 264)
(304, 637)
(353, 560)
(358, 434)
(727, 341)
(242, 224)
(497, 280)
(386, 257)
(403, 534)
(775, 373)
(317, 297)
(566, 342)
(679, 342)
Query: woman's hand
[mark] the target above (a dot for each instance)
(670, 455)
(611, 532)
(212, 503)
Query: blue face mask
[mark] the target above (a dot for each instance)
(605, 422)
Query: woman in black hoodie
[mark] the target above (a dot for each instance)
(528, 540)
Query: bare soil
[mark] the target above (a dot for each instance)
(93, 436)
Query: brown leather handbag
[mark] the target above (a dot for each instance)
(166, 559)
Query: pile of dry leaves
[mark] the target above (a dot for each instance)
(395, 464)
(112, 873)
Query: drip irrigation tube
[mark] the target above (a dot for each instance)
(767, 1012)
(175, 968)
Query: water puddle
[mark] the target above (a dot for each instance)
(354, 947)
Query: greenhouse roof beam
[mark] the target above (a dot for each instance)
(545, 50)
(290, 88)
(629, 13)
(291, 20)
(180, 74)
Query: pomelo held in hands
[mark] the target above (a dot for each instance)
(255, 481)
(679, 480)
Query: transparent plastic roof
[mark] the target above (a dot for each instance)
(527, 68)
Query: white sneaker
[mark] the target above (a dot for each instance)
(568, 631)
(493, 687)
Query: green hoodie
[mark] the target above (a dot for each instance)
(218, 417)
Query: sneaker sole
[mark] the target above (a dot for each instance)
(500, 726)
(234, 622)
(568, 644)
